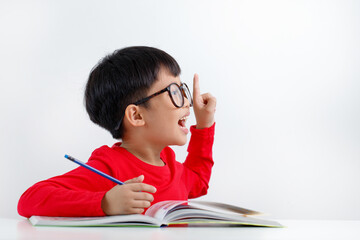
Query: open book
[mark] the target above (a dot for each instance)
(169, 213)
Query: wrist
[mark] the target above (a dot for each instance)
(204, 125)
(105, 204)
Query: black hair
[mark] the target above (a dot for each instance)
(121, 78)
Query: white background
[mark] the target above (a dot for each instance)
(286, 75)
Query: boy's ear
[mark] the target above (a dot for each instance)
(134, 116)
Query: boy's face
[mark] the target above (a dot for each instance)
(165, 123)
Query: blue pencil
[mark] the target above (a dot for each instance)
(94, 170)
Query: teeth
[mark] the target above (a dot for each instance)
(184, 118)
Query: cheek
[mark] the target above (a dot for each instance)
(165, 124)
(164, 117)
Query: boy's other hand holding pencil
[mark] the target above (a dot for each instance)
(131, 198)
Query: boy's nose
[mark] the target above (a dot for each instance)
(186, 102)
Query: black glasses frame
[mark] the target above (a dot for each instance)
(184, 90)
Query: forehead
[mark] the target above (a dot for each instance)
(164, 79)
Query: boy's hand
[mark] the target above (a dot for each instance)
(204, 106)
(130, 198)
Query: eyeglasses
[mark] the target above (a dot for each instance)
(176, 92)
(177, 95)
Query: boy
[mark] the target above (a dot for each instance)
(136, 94)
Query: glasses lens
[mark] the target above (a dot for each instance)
(187, 93)
(176, 95)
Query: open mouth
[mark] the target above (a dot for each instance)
(182, 121)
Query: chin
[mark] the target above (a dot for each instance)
(179, 142)
(182, 143)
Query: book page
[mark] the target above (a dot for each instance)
(118, 220)
(160, 209)
(222, 207)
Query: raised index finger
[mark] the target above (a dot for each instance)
(196, 86)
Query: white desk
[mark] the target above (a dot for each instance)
(295, 229)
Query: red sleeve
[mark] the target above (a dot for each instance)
(76, 193)
(198, 164)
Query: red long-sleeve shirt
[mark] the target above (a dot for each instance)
(80, 191)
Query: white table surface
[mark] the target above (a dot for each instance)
(295, 229)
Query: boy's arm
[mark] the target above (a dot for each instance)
(81, 192)
(199, 162)
(48, 198)
(76, 193)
